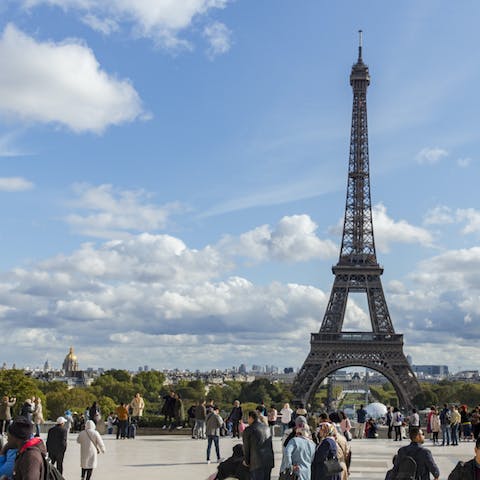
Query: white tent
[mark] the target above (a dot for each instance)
(376, 410)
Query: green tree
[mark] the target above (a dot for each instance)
(75, 399)
(149, 384)
(119, 375)
(14, 383)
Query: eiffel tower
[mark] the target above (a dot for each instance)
(357, 270)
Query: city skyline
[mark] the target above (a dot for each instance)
(173, 177)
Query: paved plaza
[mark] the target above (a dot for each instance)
(180, 458)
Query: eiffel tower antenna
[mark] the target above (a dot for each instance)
(357, 270)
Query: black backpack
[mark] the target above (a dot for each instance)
(51, 471)
(407, 469)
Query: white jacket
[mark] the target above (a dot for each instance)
(89, 440)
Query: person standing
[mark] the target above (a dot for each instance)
(435, 426)
(345, 425)
(235, 416)
(27, 409)
(6, 412)
(468, 470)
(122, 415)
(91, 444)
(272, 416)
(213, 424)
(38, 415)
(138, 405)
(389, 422)
(445, 417)
(94, 413)
(422, 456)
(29, 464)
(455, 419)
(178, 412)
(257, 448)
(397, 419)
(299, 453)
(200, 415)
(286, 416)
(57, 443)
(326, 449)
(361, 420)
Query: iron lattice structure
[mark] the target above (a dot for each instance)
(357, 270)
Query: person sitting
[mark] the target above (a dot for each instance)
(233, 466)
(371, 428)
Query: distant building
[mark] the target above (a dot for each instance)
(70, 364)
(242, 368)
(431, 370)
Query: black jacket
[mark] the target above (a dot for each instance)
(57, 440)
(257, 446)
(464, 471)
(423, 457)
(233, 466)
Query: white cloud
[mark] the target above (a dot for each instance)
(61, 83)
(464, 162)
(472, 219)
(440, 215)
(293, 239)
(116, 212)
(443, 215)
(430, 156)
(218, 36)
(161, 20)
(15, 184)
(388, 231)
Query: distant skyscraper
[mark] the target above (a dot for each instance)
(242, 368)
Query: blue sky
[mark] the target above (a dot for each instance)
(173, 177)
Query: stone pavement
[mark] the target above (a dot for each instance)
(182, 458)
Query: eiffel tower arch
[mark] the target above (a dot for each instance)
(357, 270)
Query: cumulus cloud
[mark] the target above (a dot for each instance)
(294, 238)
(430, 156)
(63, 84)
(161, 20)
(464, 162)
(15, 184)
(218, 36)
(443, 215)
(439, 215)
(112, 213)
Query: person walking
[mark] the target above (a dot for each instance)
(299, 453)
(285, 416)
(91, 444)
(468, 470)
(6, 412)
(257, 448)
(57, 443)
(235, 416)
(213, 424)
(361, 420)
(422, 456)
(326, 449)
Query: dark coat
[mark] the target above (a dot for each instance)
(423, 457)
(257, 446)
(29, 464)
(326, 449)
(236, 414)
(57, 440)
(233, 466)
(464, 471)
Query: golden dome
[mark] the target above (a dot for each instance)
(71, 355)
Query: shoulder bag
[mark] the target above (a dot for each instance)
(288, 474)
(332, 466)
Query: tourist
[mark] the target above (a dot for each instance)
(326, 449)
(261, 417)
(200, 416)
(178, 412)
(465, 424)
(299, 421)
(361, 419)
(389, 422)
(94, 413)
(213, 423)
(455, 420)
(8, 453)
(37, 415)
(235, 416)
(422, 456)
(91, 444)
(300, 411)
(262, 408)
(210, 405)
(122, 416)
(434, 425)
(137, 405)
(445, 417)
(429, 418)
(57, 443)
(299, 453)
(475, 419)
(344, 453)
(345, 425)
(272, 416)
(69, 418)
(257, 448)
(27, 409)
(371, 428)
(111, 421)
(468, 470)
(29, 463)
(233, 466)
(397, 419)
(6, 412)
(286, 416)
(414, 419)
(168, 408)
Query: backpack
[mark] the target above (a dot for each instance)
(51, 471)
(407, 469)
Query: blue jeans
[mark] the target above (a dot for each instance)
(214, 439)
(455, 434)
(261, 473)
(445, 434)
